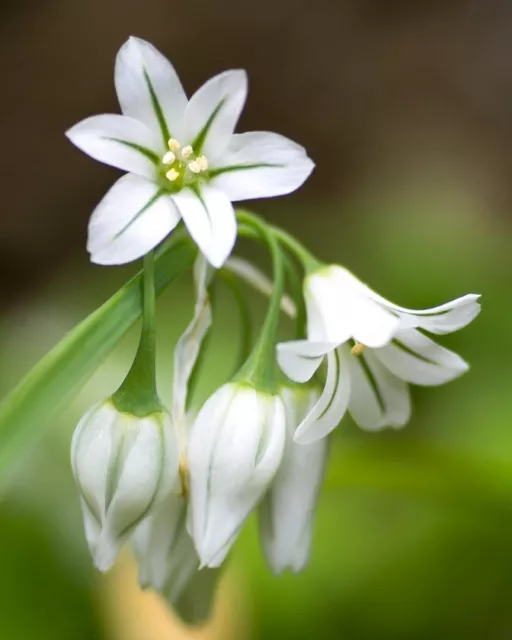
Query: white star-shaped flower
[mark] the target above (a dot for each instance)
(373, 349)
(182, 157)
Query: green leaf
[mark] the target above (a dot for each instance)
(53, 382)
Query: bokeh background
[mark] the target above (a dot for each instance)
(407, 109)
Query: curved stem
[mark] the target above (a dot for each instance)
(305, 257)
(260, 367)
(138, 393)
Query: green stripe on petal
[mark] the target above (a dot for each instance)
(200, 139)
(151, 155)
(158, 109)
(373, 382)
(243, 167)
(148, 205)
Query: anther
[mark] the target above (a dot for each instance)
(169, 158)
(358, 349)
(194, 166)
(173, 144)
(202, 162)
(172, 174)
(187, 151)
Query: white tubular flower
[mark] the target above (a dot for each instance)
(124, 467)
(235, 448)
(286, 515)
(389, 351)
(182, 157)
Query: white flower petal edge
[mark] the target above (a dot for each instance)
(133, 218)
(143, 75)
(210, 219)
(260, 164)
(327, 413)
(235, 448)
(286, 515)
(213, 112)
(119, 141)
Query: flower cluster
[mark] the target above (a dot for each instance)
(180, 484)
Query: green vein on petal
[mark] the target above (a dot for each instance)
(151, 155)
(147, 206)
(200, 139)
(244, 167)
(373, 383)
(157, 109)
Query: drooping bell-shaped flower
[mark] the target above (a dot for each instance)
(235, 448)
(125, 467)
(373, 349)
(182, 158)
(286, 514)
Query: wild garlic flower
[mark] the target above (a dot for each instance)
(373, 349)
(125, 466)
(234, 451)
(286, 514)
(182, 157)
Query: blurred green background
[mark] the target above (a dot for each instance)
(406, 107)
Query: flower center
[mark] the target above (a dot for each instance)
(180, 164)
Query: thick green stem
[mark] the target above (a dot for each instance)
(260, 368)
(138, 393)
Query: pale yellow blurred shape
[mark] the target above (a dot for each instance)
(133, 614)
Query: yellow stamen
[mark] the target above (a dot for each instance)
(187, 151)
(194, 166)
(173, 144)
(183, 474)
(202, 162)
(169, 158)
(172, 175)
(358, 349)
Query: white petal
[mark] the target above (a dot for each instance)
(299, 359)
(377, 398)
(445, 318)
(261, 165)
(433, 364)
(189, 345)
(213, 112)
(332, 405)
(235, 448)
(118, 141)
(130, 221)
(339, 308)
(260, 281)
(210, 220)
(149, 89)
(286, 515)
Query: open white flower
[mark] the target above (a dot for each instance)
(182, 157)
(373, 349)
(286, 514)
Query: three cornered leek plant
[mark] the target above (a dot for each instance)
(179, 483)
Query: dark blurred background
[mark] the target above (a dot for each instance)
(406, 107)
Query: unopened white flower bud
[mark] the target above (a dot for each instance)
(124, 466)
(235, 448)
(286, 515)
